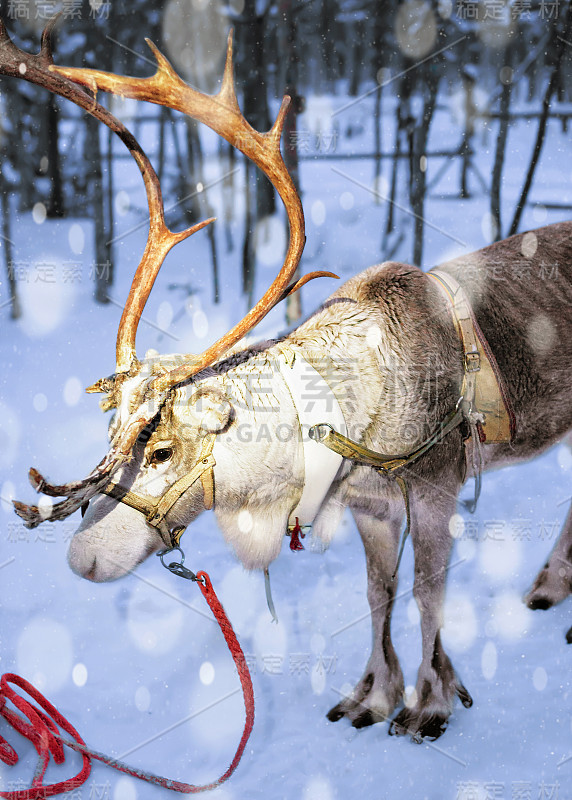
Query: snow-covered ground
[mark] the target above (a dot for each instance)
(140, 668)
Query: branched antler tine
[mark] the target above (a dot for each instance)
(46, 40)
(222, 114)
(310, 276)
(34, 516)
(159, 242)
(76, 493)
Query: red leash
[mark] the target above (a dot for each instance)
(40, 722)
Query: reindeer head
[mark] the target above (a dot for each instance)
(153, 497)
(167, 414)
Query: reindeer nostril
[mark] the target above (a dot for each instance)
(91, 572)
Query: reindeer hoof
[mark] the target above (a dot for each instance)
(539, 603)
(569, 636)
(419, 725)
(464, 695)
(552, 586)
(372, 700)
(365, 719)
(335, 713)
(358, 716)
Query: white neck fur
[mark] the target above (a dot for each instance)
(315, 403)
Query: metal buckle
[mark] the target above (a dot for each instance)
(320, 431)
(177, 567)
(472, 362)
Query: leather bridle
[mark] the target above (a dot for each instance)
(156, 509)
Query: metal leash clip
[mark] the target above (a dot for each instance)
(177, 567)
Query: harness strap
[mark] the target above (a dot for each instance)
(269, 600)
(476, 455)
(347, 448)
(462, 317)
(387, 464)
(484, 393)
(405, 492)
(155, 509)
(484, 404)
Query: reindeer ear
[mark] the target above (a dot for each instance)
(213, 409)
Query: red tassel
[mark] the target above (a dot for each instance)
(295, 533)
(481, 432)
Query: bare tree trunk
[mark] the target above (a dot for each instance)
(466, 147)
(377, 47)
(227, 151)
(561, 43)
(13, 300)
(205, 210)
(394, 169)
(290, 150)
(21, 156)
(356, 33)
(163, 119)
(186, 184)
(109, 204)
(326, 44)
(56, 202)
(255, 107)
(404, 124)
(504, 123)
(377, 139)
(255, 99)
(102, 273)
(248, 254)
(419, 183)
(101, 200)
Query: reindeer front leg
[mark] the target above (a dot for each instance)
(380, 689)
(428, 711)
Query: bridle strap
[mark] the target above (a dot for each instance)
(155, 509)
(205, 463)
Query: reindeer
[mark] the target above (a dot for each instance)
(229, 429)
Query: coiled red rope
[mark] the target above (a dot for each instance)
(40, 722)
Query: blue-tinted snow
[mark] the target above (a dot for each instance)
(137, 654)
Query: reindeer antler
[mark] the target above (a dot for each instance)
(221, 113)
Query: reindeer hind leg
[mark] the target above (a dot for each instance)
(553, 583)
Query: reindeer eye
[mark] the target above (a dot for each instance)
(161, 455)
